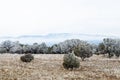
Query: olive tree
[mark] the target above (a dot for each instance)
(70, 61)
(83, 51)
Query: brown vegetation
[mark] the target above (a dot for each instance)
(49, 67)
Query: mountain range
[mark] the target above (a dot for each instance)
(54, 38)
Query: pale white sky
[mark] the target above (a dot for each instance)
(23, 17)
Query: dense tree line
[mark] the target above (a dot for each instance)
(109, 46)
(16, 47)
(82, 49)
(60, 48)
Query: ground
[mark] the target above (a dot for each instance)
(49, 67)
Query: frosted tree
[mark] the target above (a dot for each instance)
(55, 49)
(43, 48)
(7, 45)
(109, 46)
(35, 48)
(2, 49)
(26, 48)
(17, 48)
(83, 51)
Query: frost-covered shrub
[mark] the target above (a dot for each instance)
(70, 61)
(27, 58)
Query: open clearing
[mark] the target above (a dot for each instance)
(49, 67)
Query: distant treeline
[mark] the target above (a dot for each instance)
(108, 46)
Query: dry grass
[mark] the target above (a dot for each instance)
(49, 67)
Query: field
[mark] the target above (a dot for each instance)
(49, 67)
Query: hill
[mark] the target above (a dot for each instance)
(54, 38)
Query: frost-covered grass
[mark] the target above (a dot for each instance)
(49, 67)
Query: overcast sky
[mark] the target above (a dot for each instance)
(24, 17)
